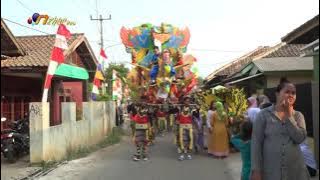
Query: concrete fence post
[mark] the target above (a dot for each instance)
(97, 123)
(107, 112)
(105, 119)
(87, 114)
(69, 122)
(39, 116)
(113, 114)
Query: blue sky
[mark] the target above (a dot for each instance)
(220, 30)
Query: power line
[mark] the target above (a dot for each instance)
(26, 26)
(101, 27)
(113, 31)
(25, 6)
(97, 14)
(119, 43)
(216, 50)
(105, 40)
(221, 62)
(76, 3)
(97, 8)
(113, 45)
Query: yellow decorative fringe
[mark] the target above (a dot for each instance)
(147, 134)
(190, 137)
(181, 138)
(165, 122)
(171, 120)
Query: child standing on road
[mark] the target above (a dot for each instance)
(243, 143)
(132, 113)
(141, 134)
(162, 121)
(185, 131)
(152, 123)
(172, 116)
(197, 130)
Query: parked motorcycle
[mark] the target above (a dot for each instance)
(15, 141)
(21, 126)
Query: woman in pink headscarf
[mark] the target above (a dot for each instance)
(253, 109)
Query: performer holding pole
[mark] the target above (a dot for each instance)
(162, 120)
(185, 130)
(141, 134)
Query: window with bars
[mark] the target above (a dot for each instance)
(14, 108)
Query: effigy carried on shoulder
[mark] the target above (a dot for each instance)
(162, 73)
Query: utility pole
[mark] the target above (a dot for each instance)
(101, 28)
(101, 43)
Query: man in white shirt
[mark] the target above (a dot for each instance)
(253, 109)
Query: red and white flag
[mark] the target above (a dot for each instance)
(103, 55)
(98, 78)
(57, 57)
(96, 85)
(116, 87)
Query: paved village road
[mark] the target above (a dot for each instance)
(114, 163)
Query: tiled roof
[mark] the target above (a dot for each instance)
(309, 29)
(280, 50)
(284, 64)
(9, 44)
(237, 64)
(288, 50)
(38, 51)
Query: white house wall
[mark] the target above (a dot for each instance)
(54, 143)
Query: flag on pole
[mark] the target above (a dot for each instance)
(103, 56)
(116, 87)
(98, 77)
(57, 57)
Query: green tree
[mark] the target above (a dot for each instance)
(200, 81)
(122, 73)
